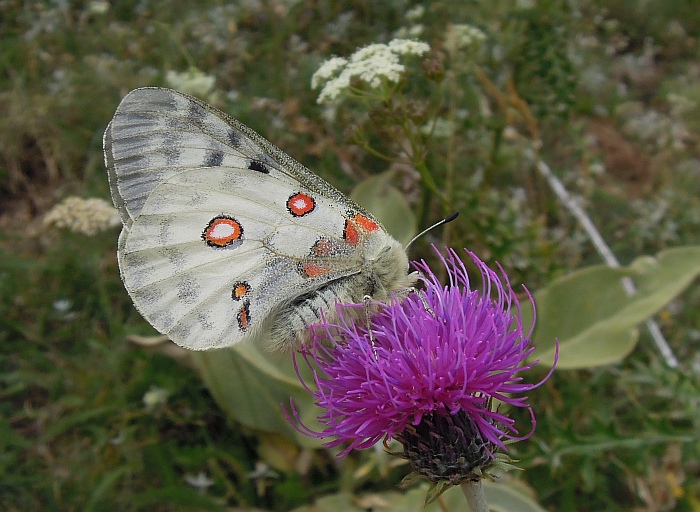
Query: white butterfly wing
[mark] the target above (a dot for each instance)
(221, 228)
(157, 133)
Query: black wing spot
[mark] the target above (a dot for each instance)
(172, 138)
(257, 165)
(214, 158)
(196, 114)
(234, 139)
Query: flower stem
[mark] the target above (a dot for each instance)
(476, 499)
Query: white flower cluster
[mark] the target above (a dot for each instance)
(83, 216)
(415, 13)
(462, 36)
(192, 81)
(415, 28)
(653, 127)
(374, 65)
(98, 7)
(680, 105)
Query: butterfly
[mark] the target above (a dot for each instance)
(226, 238)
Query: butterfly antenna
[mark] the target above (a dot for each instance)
(447, 219)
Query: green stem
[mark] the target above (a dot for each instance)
(428, 179)
(369, 149)
(476, 499)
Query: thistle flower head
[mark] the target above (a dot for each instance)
(428, 374)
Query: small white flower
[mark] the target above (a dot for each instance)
(63, 308)
(334, 88)
(62, 305)
(118, 439)
(201, 481)
(416, 30)
(376, 66)
(155, 397)
(410, 32)
(262, 470)
(369, 52)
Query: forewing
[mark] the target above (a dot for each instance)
(157, 133)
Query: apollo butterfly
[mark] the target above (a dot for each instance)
(226, 238)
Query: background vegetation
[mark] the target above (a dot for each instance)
(606, 90)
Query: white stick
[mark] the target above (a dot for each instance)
(606, 253)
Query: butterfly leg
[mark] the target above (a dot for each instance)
(368, 320)
(406, 291)
(425, 302)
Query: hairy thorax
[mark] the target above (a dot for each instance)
(383, 274)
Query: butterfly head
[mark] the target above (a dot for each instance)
(389, 270)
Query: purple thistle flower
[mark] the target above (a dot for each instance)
(428, 374)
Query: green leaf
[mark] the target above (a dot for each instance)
(435, 490)
(506, 497)
(332, 503)
(108, 482)
(176, 497)
(501, 497)
(249, 384)
(387, 204)
(592, 316)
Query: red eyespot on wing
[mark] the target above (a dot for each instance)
(365, 223)
(324, 247)
(243, 316)
(240, 289)
(222, 231)
(351, 232)
(313, 269)
(300, 204)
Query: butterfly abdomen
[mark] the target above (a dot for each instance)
(291, 324)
